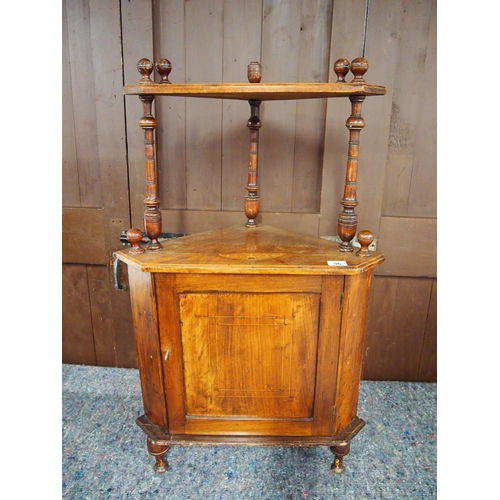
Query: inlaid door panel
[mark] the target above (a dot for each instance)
(250, 360)
(249, 355)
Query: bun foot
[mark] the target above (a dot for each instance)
(338, 466)
(159, 452)
(161, 464)
(340, 452)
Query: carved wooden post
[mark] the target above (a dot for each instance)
(348, 220)
(152, 214)
(252, 201)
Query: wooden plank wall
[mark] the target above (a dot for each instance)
(202, 144)
(95, 318)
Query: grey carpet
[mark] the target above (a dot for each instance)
(104, 452)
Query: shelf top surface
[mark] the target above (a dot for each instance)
(256, 91)
(241, 250)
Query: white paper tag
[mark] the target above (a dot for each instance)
(336, 263)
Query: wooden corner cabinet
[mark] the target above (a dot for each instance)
(250, 334)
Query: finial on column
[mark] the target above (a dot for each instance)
(134, 236)
(365, 239)
(145, 68)
(359, 67)
(254, 72)
(164, 67)
(341, 68)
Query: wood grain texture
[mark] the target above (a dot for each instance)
(71, 191)
(77, 335)
(272, 91)
(79, 31)
(228, 353)
(345, 41)
(111, 320)
(158, 29)
(427, 371)
(204, 31)
(95, 185)
(422, 199)
(137, 35)
(410, 246)
(328, 355)
(412, 108)
(102, 316)
(249, 355)
(170, 343)
(242, 45)
(262, 250)
(169, 41)
(315, 27)
(307, 26)
(242, 283)
(155, 433)
(396, 328)
(197, 221)
(77, 246)
(352, 337)
(382, 45)
(145, 320)
(92, 333)
(110, 120)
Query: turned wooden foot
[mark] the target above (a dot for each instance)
(340, 452)
(159, 452)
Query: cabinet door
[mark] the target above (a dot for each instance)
(249, 355)
(248, 363)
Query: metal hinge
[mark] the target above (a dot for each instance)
(333, 413)
(341, 300)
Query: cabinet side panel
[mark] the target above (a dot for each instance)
(171, 351)
(352, 337)
(328, 351)
(145, 321)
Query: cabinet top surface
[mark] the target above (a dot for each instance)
(261, 250)
(256, 91)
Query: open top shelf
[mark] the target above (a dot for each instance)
(256, 91)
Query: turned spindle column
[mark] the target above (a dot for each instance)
(348, 220)
(252, 201)
(152, 214)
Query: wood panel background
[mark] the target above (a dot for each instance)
(202, 151)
